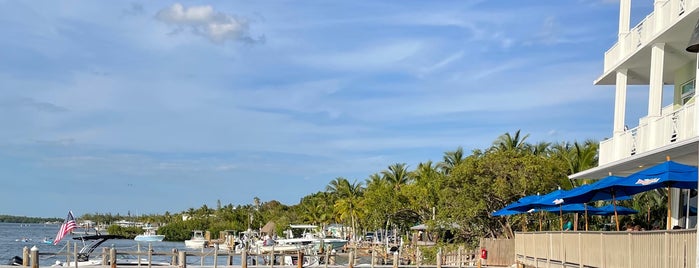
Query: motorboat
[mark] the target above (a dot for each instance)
(94, 241)
(149, 235)
(309, 241)
(197, 241)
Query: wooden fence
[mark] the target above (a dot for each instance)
(661, 249)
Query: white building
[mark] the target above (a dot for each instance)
(652, 56)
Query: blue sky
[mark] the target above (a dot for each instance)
(154, 106)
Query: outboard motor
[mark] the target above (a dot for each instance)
(15, 261)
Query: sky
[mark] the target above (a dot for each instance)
(152, 106)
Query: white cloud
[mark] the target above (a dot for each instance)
(205, 21)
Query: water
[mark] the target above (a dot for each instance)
(13, 234)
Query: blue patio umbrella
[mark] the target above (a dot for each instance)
(668, 174)
(545, 202)
(609, 210)
(607, 188)
(508, 210)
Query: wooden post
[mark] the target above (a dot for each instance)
(439, 258)
(395, 259)
(215, 255)
(75, 254)
(299, 262)
(350, 259)
(35, 257)
(244, 258)
(104, 256)
(418, 257)
(271, 257)
(150, 255)
(25, 256)
(201, 260)
(182, 259)
(138, 254)
(460, 256)
(68, 252)
(173, 260)
(327, 256)
(373, 258)
(112, 258)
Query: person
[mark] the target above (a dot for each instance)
(568, 226)
(629, 227)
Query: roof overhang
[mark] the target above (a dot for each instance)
(684, 152)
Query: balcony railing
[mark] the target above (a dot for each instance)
(662, 249)
(652, 132)
(666, 15)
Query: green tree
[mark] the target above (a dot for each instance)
(508, 142)
(396, 175)
(451, 159)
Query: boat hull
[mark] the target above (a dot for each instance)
(149, 238)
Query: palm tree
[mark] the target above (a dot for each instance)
(507, 142)
(542, 148)
(347, 206)
(397, 175)
(451, 159)
(424, 173)
(577, 156)
(374, 179)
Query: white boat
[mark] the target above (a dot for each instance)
(83, 257)
(149, 235)
(310, 240)
(197, 241)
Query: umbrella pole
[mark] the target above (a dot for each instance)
(668, 226)
(585, 217)
(616, 215)
(540, 214)
(560, 215)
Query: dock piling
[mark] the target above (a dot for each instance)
(112, 258)
(25, 256)
(182, 259)
(35, 257)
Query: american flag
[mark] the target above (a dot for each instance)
(66, 227)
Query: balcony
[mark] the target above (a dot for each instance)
(674, 125)
(646, 31)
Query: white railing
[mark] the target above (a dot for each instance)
(666, 15)
(661, 249)
(651, 133)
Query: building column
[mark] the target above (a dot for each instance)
(655, 93)
(618, 144)
(620, 101)
(659, 16)
(624, 17)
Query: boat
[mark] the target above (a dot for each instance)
(94, 241)
(197, 241)
(149, 235)
(310, 240)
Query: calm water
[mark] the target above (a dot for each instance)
(12, 234)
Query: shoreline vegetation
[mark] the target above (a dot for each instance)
(453, 197)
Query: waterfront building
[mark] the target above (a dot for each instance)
(651, 56)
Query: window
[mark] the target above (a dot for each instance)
(687, 91)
